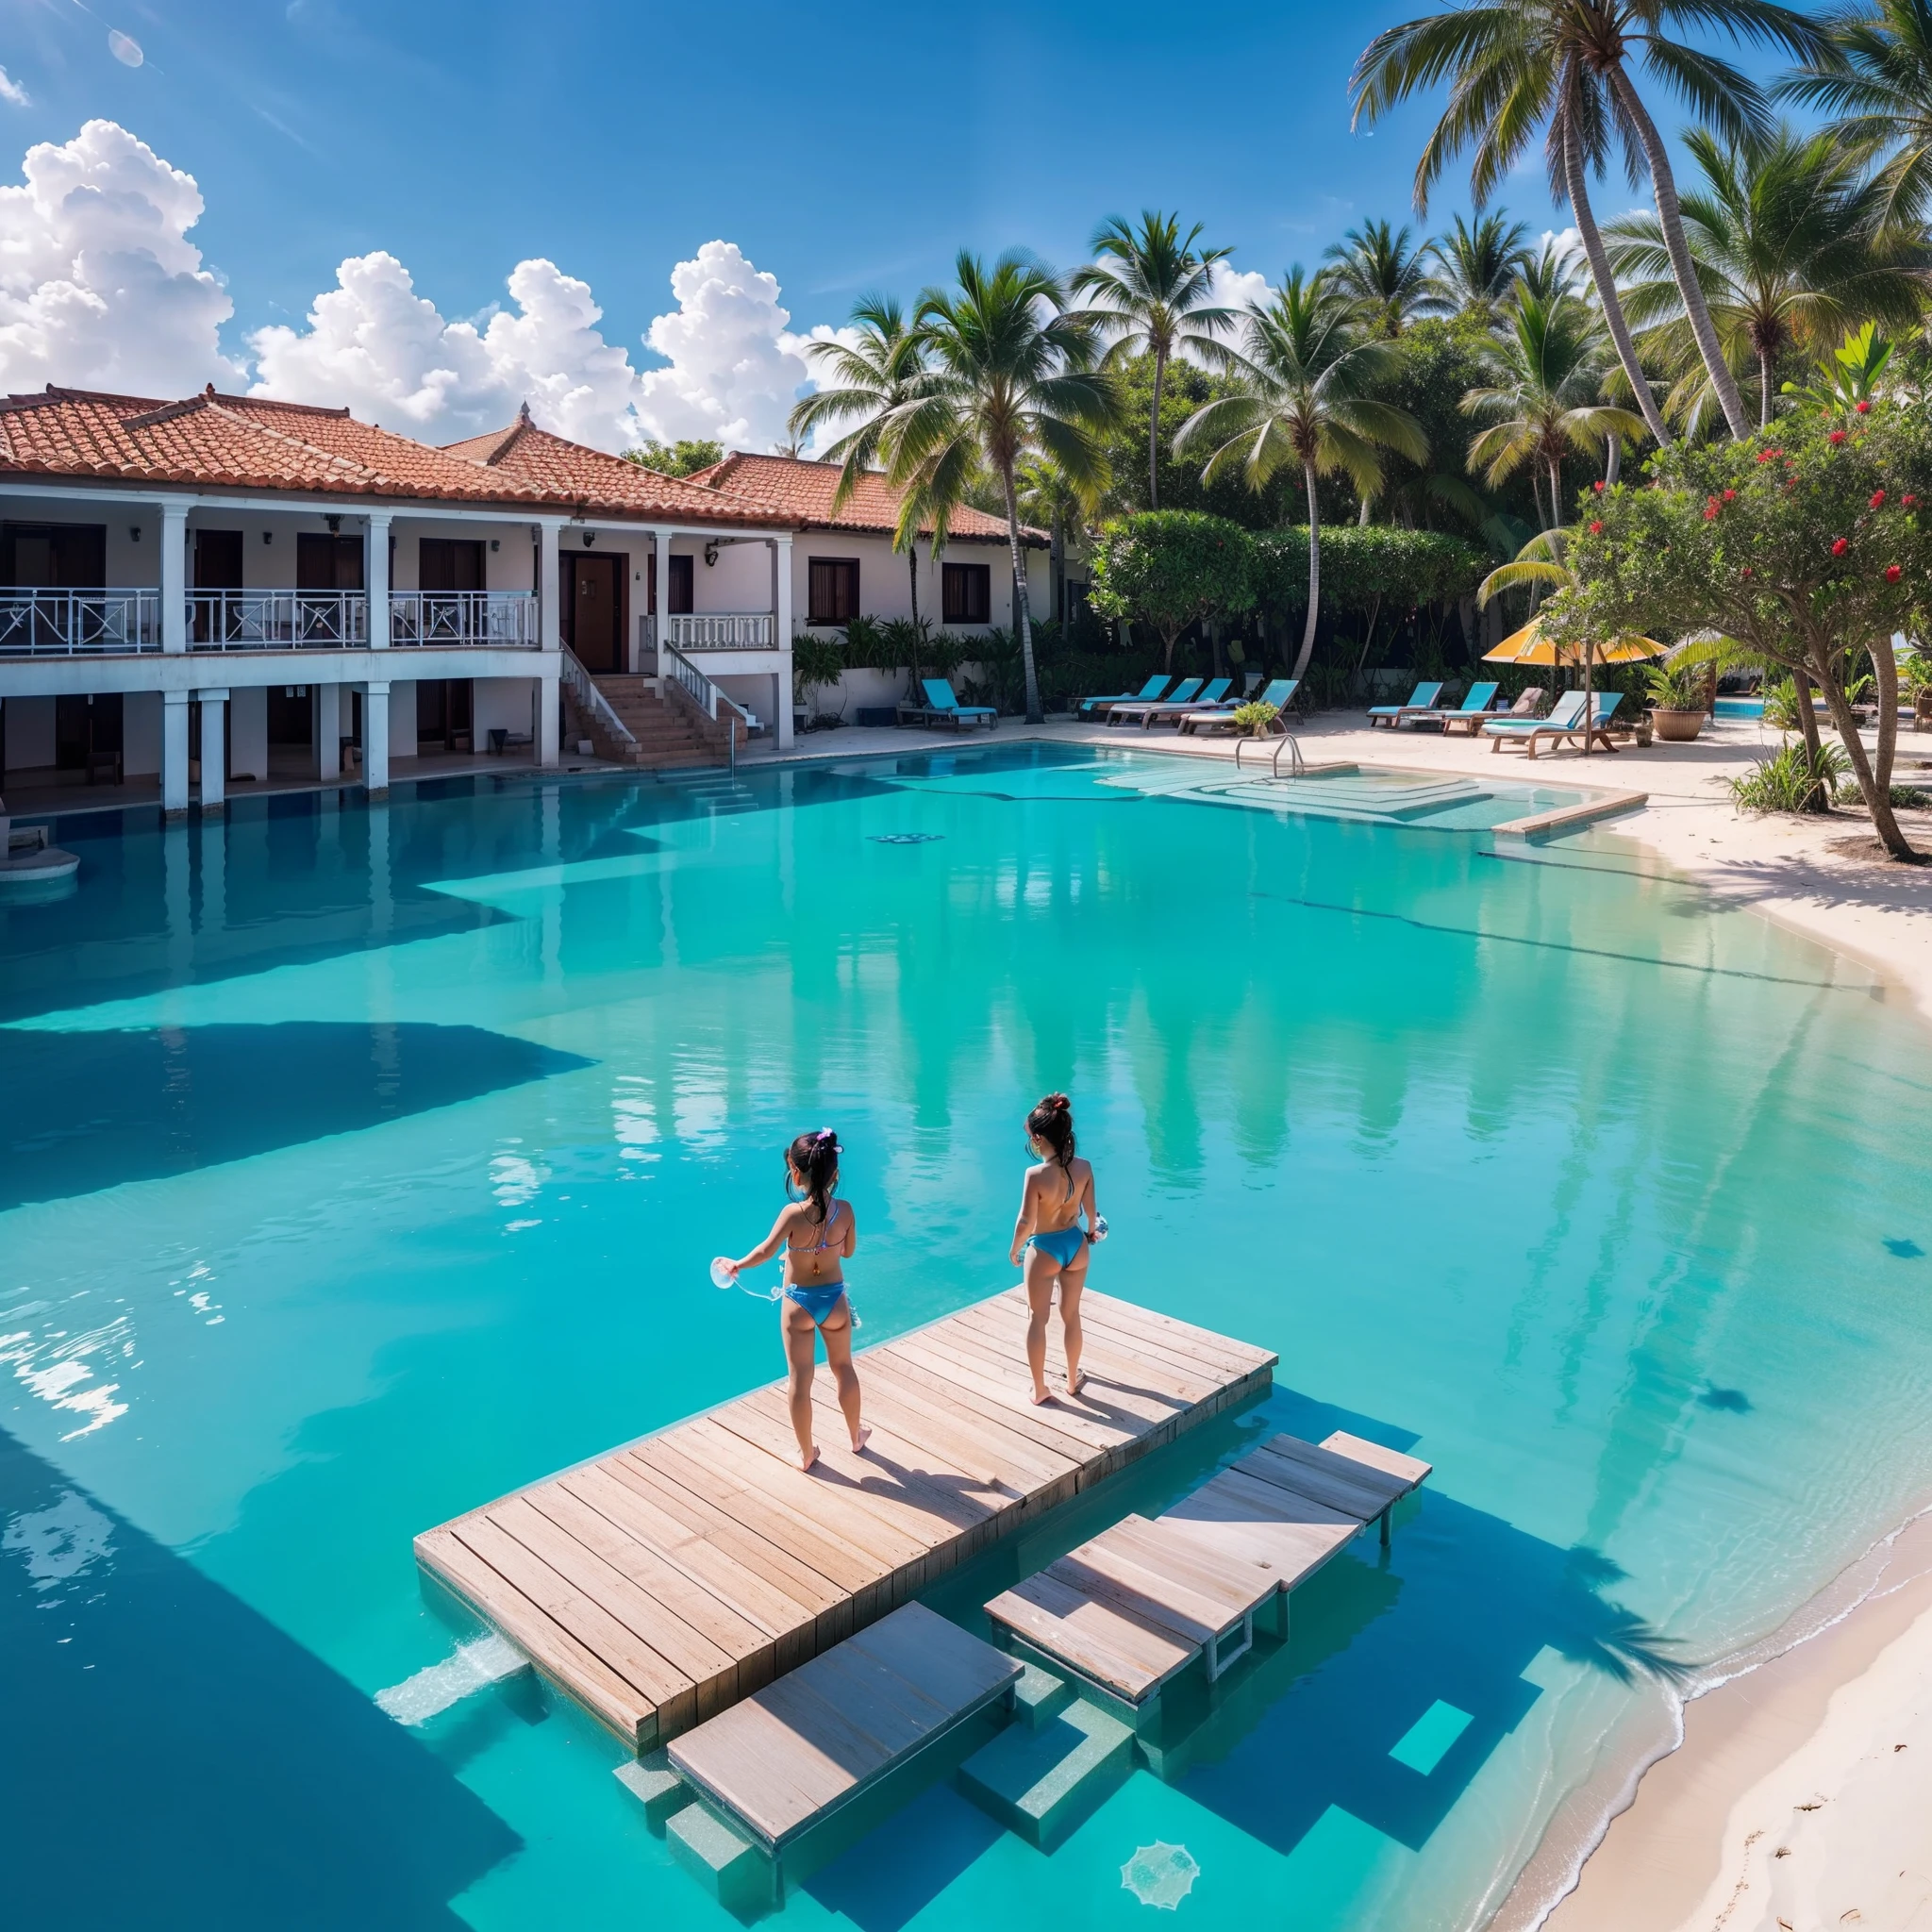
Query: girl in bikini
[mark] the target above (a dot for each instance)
(815, 1233)
(1048, 1228)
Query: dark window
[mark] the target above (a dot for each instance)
(832, 590)
(53, 557)
(218, 559)
(327, 563)
(683, 596)
(87, 734)
(443, 710)
(449, 563)
(966, 594)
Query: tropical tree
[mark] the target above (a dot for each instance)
(1306, 368)
(1875, 80)
(1376, 267)
(1012, 371)
(1171, 568)
(684, 458)
(1152, 289)
(1552, 271)
(1048, 496)
(1564, 67)
(1475, 265)
(1542, 401)
(1793, 248)
(869, 378)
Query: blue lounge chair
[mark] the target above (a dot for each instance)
(942, 707)
(1423, 698)
(1522, 711)
(1146, 695)
(1475, 705)
(1566, 721)
(1280, 693)
(1151, 715)
(1563, 713)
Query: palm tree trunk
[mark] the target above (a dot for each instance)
(1613, 460)
(1578, 189)
(1555, 495)
(1153, 434)
(1057, 559)
(1307, 650)
(1764, 390)
(1670, 219)
(912, 569)
(1034, 714)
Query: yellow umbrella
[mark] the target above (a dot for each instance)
(1530, 646)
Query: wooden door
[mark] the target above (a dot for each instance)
(594, 586)
(327, 563)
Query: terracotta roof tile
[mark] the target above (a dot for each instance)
(800, 492)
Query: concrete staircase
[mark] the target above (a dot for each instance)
(665, 734)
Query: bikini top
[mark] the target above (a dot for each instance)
(825, 1233)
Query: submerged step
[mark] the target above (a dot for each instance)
(658, 1789)
(1039, 1696)
(733, 1870)
(1040, 1783)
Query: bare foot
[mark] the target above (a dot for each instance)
(1076, 1383)
(1042, 1396)
(806, 1462)
(861, 1440)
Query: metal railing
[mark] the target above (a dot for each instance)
(278, 620)
(676, 668)
(60, 624)
(583, 687)
(484, 620)
(722, 630)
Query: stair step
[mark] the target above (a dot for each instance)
(1042, 1782)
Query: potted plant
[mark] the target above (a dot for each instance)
(1677, 701)
(1253, 718)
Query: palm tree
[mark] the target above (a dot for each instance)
(1305, 367)
(1154, 292)
(1047, 496)
(1876, 81)
(1550, 272)
(871, 377)
(1542, 399)
(1012, 372)
(1564, 66)
(1376, 266)
(1793, 250)
(1475, 265)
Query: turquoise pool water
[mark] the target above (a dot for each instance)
(1740, 708)
(361, 1165)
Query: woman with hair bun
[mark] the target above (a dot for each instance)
(1056, 1192)
(816, 1233)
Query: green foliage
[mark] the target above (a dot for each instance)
(1168, 569)
(1362, 563)
(1793, 780)
(1253, 720)
(684, 458)
(1675, 687)
(817, 660)
(1781, 705)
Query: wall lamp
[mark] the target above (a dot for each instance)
(495, 544)
(590, 538)
(134, 532)
(710, 553)
(335, 525)
(268, 536)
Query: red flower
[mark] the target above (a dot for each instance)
(1765, 455)
(1596, 530)
(1909, 500)
(1892, 572)
(1877, 498)
(1730, 496)
(1710, 512)
(1863, 408)
(1840, 548)
(1745, 572)
(1837, 435)
(1598, 487)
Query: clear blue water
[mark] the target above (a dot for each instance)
(362, 1165)
(1740, 708)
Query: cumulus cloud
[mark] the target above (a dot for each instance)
(11, 92)
(100, 287)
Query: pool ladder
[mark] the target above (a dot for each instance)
(1298, 766)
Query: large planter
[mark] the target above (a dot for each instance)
(1677, 727)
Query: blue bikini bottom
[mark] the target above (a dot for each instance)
(818, 1299)
(1063, 1243)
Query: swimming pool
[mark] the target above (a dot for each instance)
(362, 1165)
(1739, 707)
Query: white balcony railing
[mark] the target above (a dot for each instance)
(483, 620)
(60, 624)
(723, 631)
(278, 620)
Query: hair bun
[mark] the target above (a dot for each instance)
(1058, 1103)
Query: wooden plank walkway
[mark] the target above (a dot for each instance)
(1134, 1607)
(661, 1583)
(789, 1754)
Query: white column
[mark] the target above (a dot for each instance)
(376, 575)
(781, 604)
(214, 749)
(328, 731)
(549, 600)
(660, 541)
(174, 753)
(174, 597)
(376, 740)
(547, 721)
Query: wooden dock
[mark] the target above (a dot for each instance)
(661, 1583)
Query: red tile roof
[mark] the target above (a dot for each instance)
(800, 492)
(251, 443)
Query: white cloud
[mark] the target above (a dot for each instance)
(124, 48)
(11, 92)
(99, 285)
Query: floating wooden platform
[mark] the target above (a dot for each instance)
(1131, 1610)
(663, 1582)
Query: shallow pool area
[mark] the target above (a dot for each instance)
(1739, 707)
(363, 1165)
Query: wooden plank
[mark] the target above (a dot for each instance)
(1099, 1641)
(1102, 1425)
(1106, 1574)
(569, 1664)
(1350, 1496)
(1226, 1516)
(1102, 1356)
(1238, 1357)
(1026, 1422)
(1236, 1587)
(976, 1443)
(1411, 1469)
(1131, 1406)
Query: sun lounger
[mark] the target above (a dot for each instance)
(1147, 695)
(1195, 700)
(942, 707)
(1473, 707)
(1554, 729)
(1473, 721)
(1280, 693)
(1421, 699)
